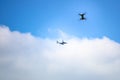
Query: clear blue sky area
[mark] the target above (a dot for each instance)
(40, 16)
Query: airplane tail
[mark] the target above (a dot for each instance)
(57, 42)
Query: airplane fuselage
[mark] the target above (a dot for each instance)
(62, 43)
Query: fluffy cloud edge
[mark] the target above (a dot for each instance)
(81, 56)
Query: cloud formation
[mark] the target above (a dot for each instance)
(26, 57)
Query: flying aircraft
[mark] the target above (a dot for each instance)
(62, 43)
(82, 15)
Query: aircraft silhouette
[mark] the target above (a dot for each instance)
(82, 15)
(62, 43)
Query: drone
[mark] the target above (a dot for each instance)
(82, 16)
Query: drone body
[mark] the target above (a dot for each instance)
(82, 16)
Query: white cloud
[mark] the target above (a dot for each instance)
(26, 57)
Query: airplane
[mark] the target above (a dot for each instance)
(82, 16)
(62, 43)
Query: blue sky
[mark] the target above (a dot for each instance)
(40, 16)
